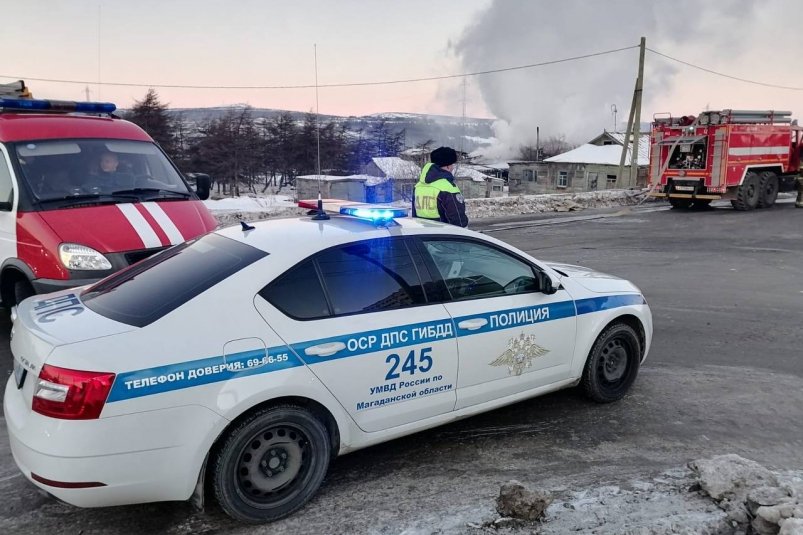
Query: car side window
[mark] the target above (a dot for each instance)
(474, 270)
(370, 276)
(298, 293)
(6, 185)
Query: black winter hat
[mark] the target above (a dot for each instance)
(443, 156)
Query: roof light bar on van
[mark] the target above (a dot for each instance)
(63, 106)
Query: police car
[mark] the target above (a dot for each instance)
(246, 359)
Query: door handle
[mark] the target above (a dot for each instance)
(473, 325)
(325, 350)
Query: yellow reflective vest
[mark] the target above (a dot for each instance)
(426, 195)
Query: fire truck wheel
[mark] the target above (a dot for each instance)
(769, 189)
(680, 204)
(701, 204)
(748, 194)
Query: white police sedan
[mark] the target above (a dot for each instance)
(249, 357)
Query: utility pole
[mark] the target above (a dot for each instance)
(634, 121)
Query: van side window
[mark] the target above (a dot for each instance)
(6, 185)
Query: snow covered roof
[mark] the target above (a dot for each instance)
(604, 154)
(464, 171)
(643, 145)
(395, 167)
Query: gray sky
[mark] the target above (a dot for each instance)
(239, 42)
(270, 42)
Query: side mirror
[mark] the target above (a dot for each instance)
(545, 284)
(6, 206)
(203, 183)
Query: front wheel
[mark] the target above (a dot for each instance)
(271, 464)
(612, 364)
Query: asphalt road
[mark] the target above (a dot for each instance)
(725, 375)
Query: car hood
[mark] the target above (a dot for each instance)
(128, 227)
(594, 281)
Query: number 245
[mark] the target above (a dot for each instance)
(410, 366)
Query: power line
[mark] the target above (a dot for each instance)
(745, 80)
(345, 84)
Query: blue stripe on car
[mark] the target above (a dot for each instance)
(149, 381)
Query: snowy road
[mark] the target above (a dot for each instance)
(725, 375)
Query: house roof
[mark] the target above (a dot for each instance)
(395, 167)
(600, 154)
(619, 137)
(464, 171)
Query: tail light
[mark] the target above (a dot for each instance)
(71, 394)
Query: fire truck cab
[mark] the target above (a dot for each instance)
(745, 156)
(83, 194)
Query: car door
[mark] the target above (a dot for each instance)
(359, 316)
(8, 220)
(511, 336)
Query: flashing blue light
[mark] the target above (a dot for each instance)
(29, 104)
(377, 214)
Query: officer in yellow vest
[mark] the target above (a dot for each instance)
(436, 196)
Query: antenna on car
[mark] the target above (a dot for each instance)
(246, 226)
(320, 215)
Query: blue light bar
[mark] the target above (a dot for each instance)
(29, 104)
(377, 214)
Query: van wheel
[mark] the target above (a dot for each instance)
(22, 290)
(612, 364)
(271, 464)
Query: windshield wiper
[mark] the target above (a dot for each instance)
(96, 197)
(158, 191)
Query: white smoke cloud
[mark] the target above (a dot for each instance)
(574, 99)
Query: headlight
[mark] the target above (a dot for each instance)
(81, 257)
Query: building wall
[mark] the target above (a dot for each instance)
(472, 189)
(579, 177)
(350, 190)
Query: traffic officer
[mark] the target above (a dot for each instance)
(436, 195)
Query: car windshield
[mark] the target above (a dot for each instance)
(78, 169)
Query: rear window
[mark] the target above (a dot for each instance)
(158, 285)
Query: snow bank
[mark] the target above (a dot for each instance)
(532, 204)
(231, 211)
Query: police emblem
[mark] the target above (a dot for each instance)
(520, 353)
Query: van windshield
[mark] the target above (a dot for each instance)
(79, 169)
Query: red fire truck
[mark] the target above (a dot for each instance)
(745, 156)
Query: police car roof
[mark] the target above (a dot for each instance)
(302, 236)
(34, 126)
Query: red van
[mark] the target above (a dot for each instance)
(84, 194)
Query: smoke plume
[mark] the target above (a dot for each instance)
(574, 99)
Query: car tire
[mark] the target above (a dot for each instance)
(612, 364)
(769, 189)
(271, 464)
(748, 194)
(22, 290)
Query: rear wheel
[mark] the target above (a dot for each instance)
(748, 194)
(271, 464)
(769, 189)
(612, 364)
(680, 204)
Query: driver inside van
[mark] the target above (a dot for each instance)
(107, 170)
